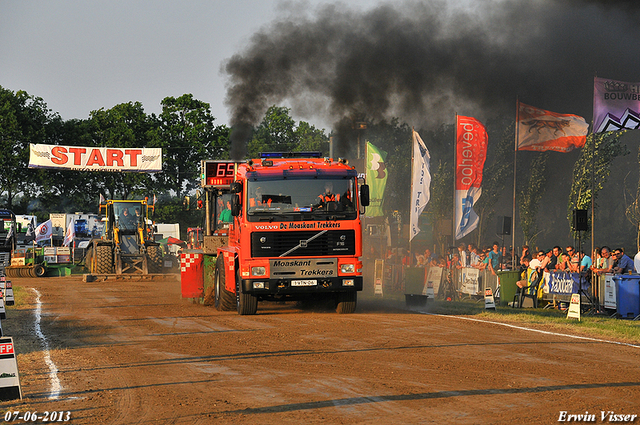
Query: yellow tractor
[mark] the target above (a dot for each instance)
(126, 245)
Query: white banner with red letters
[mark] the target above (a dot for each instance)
(142, 160)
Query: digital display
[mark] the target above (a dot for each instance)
(217, 173)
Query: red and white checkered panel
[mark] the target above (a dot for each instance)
(187, 260)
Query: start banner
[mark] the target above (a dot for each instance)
(142, 160)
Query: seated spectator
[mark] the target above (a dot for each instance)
(623, 263)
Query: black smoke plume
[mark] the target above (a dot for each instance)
(426, 61)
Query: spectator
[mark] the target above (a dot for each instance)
(463, 255)
(526, 254)
(494, 256)
(571, 261)
(474, 257)
(605, 263)
(623, 263)
(585, 263)
(483, 262)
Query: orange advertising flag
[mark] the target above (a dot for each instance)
(540, 130)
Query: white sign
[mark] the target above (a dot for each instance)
(9, 377)
(489, 301)
(610, 292)
(469, 277)
(8, 293)
(147, 160)
(574, 307)
(434, 277)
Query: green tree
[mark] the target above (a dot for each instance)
(530, 196)
(275, 133)
(497, 174)
(311, 139)
(590, 171)
(187, 134)
(24, 119)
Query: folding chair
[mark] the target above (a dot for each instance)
(530, 291)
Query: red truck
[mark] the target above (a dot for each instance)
(292, 228)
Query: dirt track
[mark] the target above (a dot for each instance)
(135, 352)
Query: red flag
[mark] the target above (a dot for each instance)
(540, 130)
(471, 152)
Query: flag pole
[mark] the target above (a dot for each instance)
(455, 159)
(513, 211)
(594, 288)
(413, 138)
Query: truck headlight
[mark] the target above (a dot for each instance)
(347, 268)
(258, 285)
(348, 282)
(258, 271)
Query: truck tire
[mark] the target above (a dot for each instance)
(154, 260)
(39, 270)
(104, 259)
(247, 303)
(346, 302)
(224, 300)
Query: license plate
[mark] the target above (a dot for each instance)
(309, 282)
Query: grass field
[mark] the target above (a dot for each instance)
(592, 325)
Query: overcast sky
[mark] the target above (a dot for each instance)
(81, 55)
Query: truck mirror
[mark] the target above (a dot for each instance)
(364, 195)
(236, 187)
(235, 205)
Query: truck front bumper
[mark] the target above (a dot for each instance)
(301, 286)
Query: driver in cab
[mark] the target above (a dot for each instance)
(328, 195)
(127, 221)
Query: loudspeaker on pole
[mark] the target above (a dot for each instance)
(580, 221)
(503, 225)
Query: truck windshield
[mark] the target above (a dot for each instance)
(301, 199)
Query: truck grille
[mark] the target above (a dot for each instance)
(330, 243)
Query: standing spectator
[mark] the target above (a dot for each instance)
(526, 254)
(463, 255)
(585, 262)
(636, 262)
(623, 263)
(494, 256)
(605, 262)
(473, 255)
(571, 261)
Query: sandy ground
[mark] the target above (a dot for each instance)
(135, 352)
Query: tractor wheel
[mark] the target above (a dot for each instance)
(104, 259)
(39, 270)
(154, 259)
(346, 302)
(247, 304)
(224, 300)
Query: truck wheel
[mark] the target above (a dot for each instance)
(347, 302)
(224, 300)
(154, 259)
(39, 270)
(104, 259)
(247, 303)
